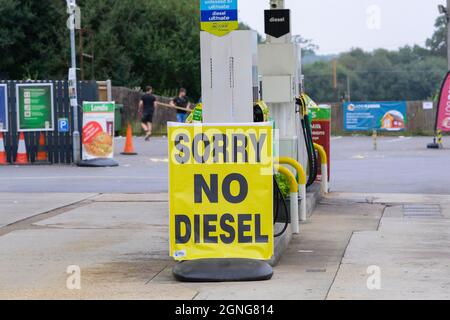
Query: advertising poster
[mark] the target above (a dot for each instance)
(321, 131)
(221, 191)
(219, 17)
(98, 130)
(381, 116)
(3, 108)
(35, 107)
(443, 116)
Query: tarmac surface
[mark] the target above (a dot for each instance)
(400, 165)
(383, 233)
(119, 244)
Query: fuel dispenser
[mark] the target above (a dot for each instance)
(243, 84)
(279, 66)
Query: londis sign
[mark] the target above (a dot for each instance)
(221, 191)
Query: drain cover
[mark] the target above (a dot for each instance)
(422, 211)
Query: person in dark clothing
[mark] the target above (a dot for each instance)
(147, 109)
(181, 101)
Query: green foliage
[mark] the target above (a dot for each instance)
(283, 184)
(438, 42)
(134, 42)
(411, 73)
(33, 39)
(140, 42)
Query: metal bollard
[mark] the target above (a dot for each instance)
(440, 139)
(375, 140)
(293, 197)
(324, 164)
(302, 180)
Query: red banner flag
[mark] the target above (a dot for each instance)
(443, 112)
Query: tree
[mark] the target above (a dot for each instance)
(411, 73)
(307, 45)
(32, 41)
(437, 44)
(134, 42)
(139, 42)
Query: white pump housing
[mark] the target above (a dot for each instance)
(229, 76)
(279, 66)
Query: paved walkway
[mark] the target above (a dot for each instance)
(120, 243)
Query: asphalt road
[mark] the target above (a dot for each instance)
(401, 165)
(145, 173)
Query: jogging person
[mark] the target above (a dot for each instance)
(181, 101)
(147, 109)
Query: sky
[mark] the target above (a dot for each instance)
(339, 25)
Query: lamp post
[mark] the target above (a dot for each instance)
(445, 10)
(72, 11)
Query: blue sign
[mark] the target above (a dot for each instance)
(218, 5)
(383, 116)
(3, 108)
(219, 17)
(63, 125)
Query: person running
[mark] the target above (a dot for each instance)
(181, 101)
(147, 109)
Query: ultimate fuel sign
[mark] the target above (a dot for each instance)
(221, 191)
(219, 17)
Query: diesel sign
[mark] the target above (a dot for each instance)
(277, 22)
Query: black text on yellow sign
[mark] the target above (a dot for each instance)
(221, 192)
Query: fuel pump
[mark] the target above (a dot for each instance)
(279, 65)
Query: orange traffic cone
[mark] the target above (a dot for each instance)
(22, 156)
(42, 153)
(129, 146)
(3, 159)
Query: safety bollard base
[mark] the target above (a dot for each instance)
(222, 270)
(433, 146)
(98, 163)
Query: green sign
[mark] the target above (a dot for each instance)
(98, 107)
(320, 113)
(35, 107)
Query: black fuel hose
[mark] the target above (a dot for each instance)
(309, 142)
(312, 156)
(280, 198)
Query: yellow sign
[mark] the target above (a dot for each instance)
(221, 191)
(219, 28)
